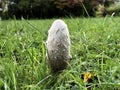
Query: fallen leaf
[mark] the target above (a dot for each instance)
(88, 76)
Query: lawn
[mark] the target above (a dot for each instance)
(95, 50)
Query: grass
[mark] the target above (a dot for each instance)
(95, 48)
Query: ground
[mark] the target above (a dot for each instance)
(95, 48)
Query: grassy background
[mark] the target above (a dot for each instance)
(95, 48)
